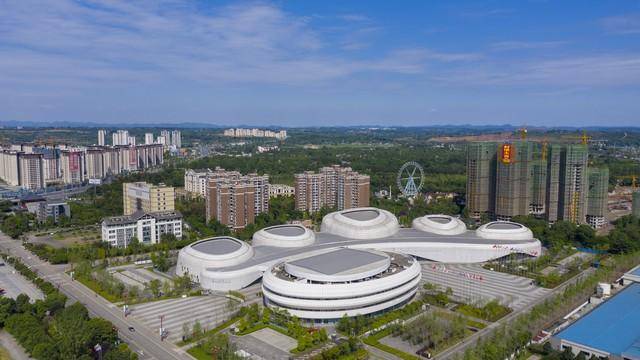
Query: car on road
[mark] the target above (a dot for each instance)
(132, 329)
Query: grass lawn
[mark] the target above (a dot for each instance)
(199, 353)
(4, 354)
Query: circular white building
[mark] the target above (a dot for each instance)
(361, 223)
(217, 252)
(440, 224)
(504, 230)
(329, 284)
(284, 236)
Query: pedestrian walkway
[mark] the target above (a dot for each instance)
(475, 284)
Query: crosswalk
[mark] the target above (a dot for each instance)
(209, 311)
(473, 283)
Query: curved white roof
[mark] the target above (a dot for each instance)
(361, 223)
(284, 236)
(342, 264)
(504, 230)
(439, 224)
(217, 252)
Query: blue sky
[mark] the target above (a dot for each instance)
(299, 63)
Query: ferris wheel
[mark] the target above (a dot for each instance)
(410, 178)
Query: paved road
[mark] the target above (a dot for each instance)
(142, 340)
(15, 284)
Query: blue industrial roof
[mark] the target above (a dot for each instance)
(636, 272)
(613, 327)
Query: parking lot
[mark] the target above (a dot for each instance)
(15, 284)
(135, 276)
(209, 311)
(474, 284)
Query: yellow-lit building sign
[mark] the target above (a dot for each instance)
(508, 151)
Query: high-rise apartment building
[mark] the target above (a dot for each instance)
(195, 181)
(513, 180)
(234, 199)
(120, 137)
(525, 178)
(147, 197)
(552, 155)
(72, 166)
(10, 167)
(598, 184)
(148, 138)
(635, 204)
(31, 172)
(332, 187)
(481, 175)
(102, 134)
(95, 163)
(176, 138)
(573, 184)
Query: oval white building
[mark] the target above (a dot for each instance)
(225, 263)
(361, 223)
(328, 285)
(284, 236)
(217, 252)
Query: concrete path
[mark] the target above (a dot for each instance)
(15, 350)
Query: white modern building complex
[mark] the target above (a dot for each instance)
(361, 262)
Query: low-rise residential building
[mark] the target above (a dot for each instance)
(45, 209)
(147, 227)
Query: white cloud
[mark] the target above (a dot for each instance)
(587, 71)
(75, 43)
(525, 45)
(624, 24)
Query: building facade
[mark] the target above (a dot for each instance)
(481, 175)
(525, 178)
(35, 167)
(234, 199)
(195, 181)
(102, 135)
(277, 190)
(332, 187)
(597, 197)
(147, 228)
(141, 196)
(148, 138)
(31, 171)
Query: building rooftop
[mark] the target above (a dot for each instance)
(218, 246)
(362, 215)
(286, 230)
(503, 225)
(338, 261)
(128, 219)
(440, 219)
(613, 327)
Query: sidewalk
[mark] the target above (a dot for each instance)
(13, 348)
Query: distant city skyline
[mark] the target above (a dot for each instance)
(291, 64)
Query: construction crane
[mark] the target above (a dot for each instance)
(584, 139)
(523, 133)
